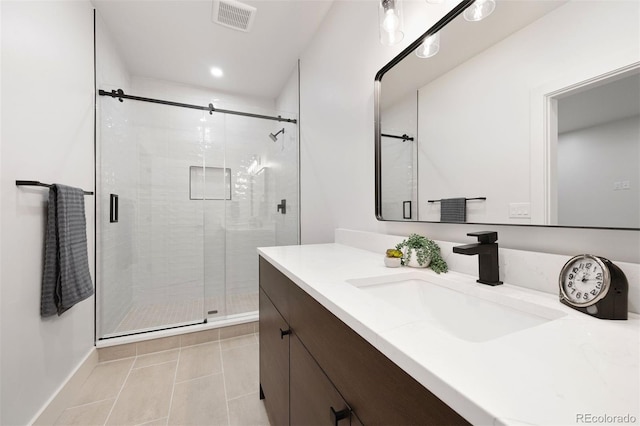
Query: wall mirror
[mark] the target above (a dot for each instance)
(530, 116)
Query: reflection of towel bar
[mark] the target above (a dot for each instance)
(404, 137)
(37, 183)
(466, 199)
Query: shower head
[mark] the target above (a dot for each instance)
(275, 137)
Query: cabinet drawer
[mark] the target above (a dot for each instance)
(276, 285)
(274, 361)
(313, 396)
(376, 388)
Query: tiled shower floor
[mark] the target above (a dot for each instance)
(163, 314)
(213, 383)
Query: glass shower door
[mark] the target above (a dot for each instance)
(262, 173)
(151, 273)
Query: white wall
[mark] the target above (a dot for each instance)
(338, 69)
(337, 163)
(47, 135)
(590, 162)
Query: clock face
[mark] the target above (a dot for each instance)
(584, 280)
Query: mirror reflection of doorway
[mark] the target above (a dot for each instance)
(598, 149)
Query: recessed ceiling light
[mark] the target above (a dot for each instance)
(216, 72)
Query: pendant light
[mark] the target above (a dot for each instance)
(390, 22)
(479, 10)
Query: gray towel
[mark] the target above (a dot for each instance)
(66, 279)
(453, 210)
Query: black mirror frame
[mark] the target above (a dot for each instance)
(376, 94)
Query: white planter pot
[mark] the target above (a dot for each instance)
(414, 261)
(392, 262)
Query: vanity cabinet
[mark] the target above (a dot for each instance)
(274, 361)
(331, 368)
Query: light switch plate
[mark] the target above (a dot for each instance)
(520, 210)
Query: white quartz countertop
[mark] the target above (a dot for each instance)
(570, 370)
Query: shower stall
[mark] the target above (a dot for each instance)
(185, 195)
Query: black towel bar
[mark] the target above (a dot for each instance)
(38, 183)
(404, 137)
(466, 199)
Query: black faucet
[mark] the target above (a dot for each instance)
(487, 250)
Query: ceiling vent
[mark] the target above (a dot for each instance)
(233, 14)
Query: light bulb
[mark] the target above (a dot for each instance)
(479, 10)
(429, 47)
(391, 21)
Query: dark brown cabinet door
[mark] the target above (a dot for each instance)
(314, 399)
(274, 362)
(276, 286)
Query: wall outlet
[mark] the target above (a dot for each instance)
(519, 210)
(621, 185)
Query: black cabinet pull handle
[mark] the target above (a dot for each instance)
(284, 332)
(336, 416)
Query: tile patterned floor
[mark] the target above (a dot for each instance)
(207, 384)
(174, 312)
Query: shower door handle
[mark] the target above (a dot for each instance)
(406, 209)
(113, 208)
(282, 207)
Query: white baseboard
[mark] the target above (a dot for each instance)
(67, 392)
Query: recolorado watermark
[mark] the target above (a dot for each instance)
(588, 418)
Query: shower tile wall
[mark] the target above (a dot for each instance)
(170, 228)
(284, 153)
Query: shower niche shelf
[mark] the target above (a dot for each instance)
(209, 183)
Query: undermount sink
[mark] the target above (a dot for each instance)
(460, 309)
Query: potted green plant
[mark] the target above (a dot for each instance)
(422, 252)
(393, 258)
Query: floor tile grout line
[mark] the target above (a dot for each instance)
(108, 361)
(115, 401)
(238, 347)
(173, 388)
(152, 421)
(155, 364)
(224, 383)
(242, 396)
(179, 382)
(87, 403)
